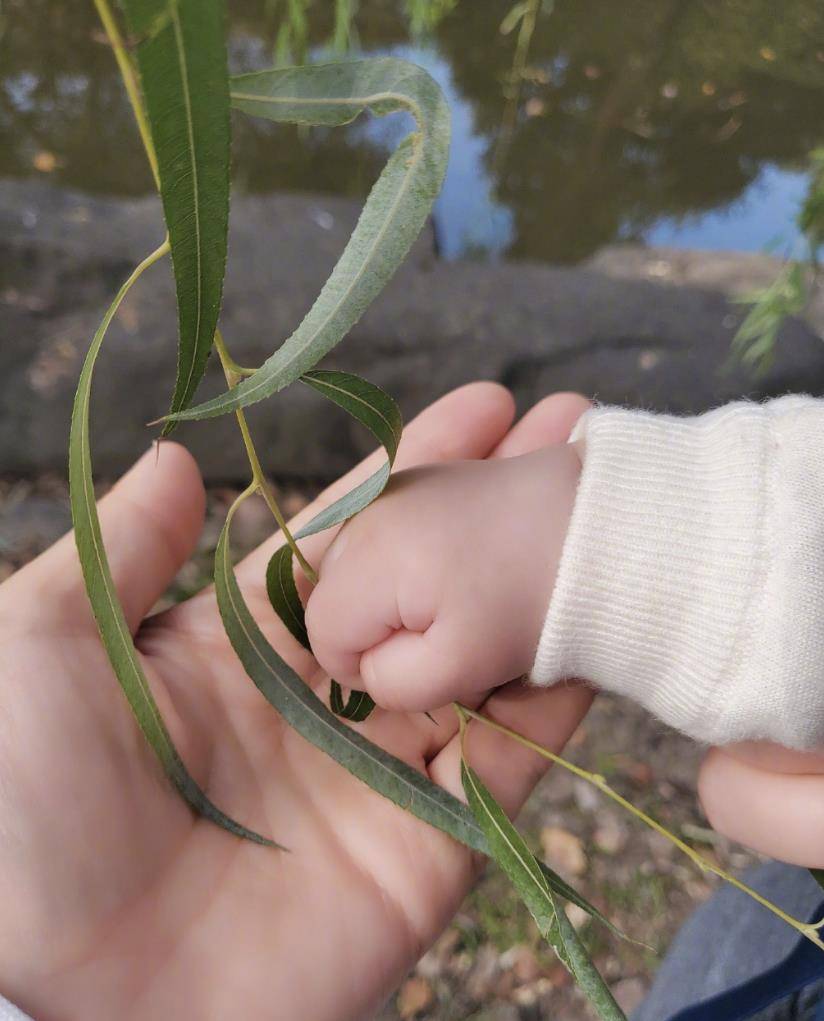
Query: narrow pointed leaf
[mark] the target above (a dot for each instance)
(394, 213)
(306, 713)
(513, 18)
(108, 613)
(181, 55)
(283, 594)
(511, 853)
(381, 415)
(356, 708)
(364, 401)
(350, 504)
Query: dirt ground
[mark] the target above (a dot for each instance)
(490, 964)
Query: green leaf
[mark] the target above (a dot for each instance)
(513, 17)
(364, 401)
(356, 708)
(306, 713)
(181, 55)
(283, 594)
(818, 876)
(511, 853)
(349, 505)
(394, 213)
(381, 415)
(108, 613)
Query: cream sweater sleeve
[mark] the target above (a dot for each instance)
(692, 576)
(8, 1012)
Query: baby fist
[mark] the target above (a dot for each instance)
(438, 591)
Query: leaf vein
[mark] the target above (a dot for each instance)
(187, 99)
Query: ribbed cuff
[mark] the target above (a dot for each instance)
(8, 1012)
(664, 558)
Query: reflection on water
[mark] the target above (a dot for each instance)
(575, 124)
(468, 217)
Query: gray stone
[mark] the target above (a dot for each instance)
(31, 523)
(635, 325)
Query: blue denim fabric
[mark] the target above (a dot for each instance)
(733, 960)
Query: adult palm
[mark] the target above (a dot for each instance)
(116, 901)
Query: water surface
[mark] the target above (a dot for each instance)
(677, 122)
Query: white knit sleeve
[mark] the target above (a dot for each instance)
(692, 575)
(8, 1012)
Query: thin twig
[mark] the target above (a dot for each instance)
(805, 928)
(259, 479)
(129, 76)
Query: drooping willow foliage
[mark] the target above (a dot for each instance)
(178, 82)
(757, 337)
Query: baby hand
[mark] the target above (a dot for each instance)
(438, 591)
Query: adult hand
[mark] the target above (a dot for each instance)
(767, 797)
(115, 901)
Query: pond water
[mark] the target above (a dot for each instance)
(576, 123)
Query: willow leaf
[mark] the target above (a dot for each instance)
(305, 712)
(283, 594)
(108, 613)
(350, 504)
(381, 415)
(511, 853)
(364, 401)
(394, 213)
(181, 55)
(356, 708)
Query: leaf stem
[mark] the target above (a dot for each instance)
(234, 372)
(129, 76)
(810, 931)
(259, 480)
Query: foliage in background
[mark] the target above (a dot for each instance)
(425, 15)
(292, 34)
(756, 339)
(692, 105)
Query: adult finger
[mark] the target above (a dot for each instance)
(547, 424)
(547, 716)
(150, 521)
(775, 758)
(779, 814)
